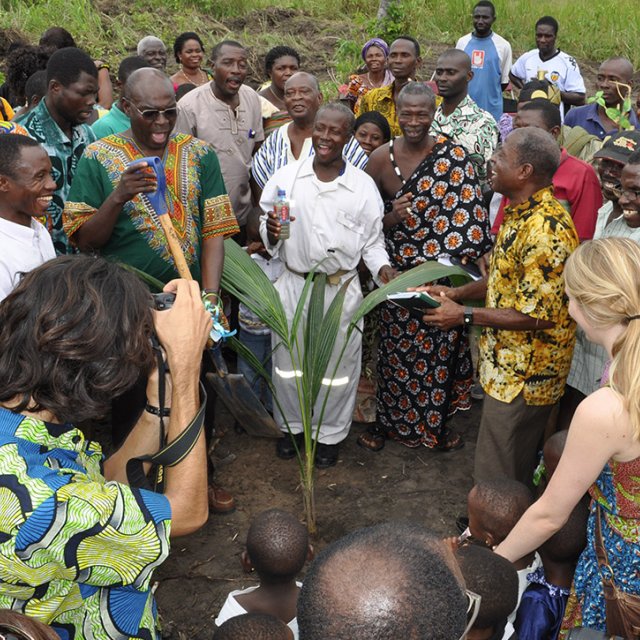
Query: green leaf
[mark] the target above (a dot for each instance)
(612, 113)
(324, 343)
(422, 274)
(154, 284)
(244, 279)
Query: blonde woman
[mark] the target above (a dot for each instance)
(602, 454)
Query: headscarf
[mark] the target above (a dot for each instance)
(375, 42)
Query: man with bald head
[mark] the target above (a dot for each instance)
(458, 116)
(292, 141)
(528, 334)
(153, 51)
(615, 80)
(385, 582)
(108, 208)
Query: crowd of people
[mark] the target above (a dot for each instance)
(538, 199)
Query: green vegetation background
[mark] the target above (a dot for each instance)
(589, 29)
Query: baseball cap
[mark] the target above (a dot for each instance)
(619, 146)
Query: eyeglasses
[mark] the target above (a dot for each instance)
(473, 608)
(154, 114)
(465, 539)
(629, 194)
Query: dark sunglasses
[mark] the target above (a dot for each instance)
(154, 114)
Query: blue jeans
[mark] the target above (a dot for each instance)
(260, 346)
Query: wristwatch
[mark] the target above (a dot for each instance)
(468, 316)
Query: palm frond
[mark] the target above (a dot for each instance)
(244, 279)
(154, 284)
(422, 274)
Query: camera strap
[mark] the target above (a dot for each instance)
(175, 451)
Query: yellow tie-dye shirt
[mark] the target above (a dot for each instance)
(527, 263)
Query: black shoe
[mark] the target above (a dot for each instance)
(285, 448)
(326, 455)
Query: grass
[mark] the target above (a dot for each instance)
(108, 28)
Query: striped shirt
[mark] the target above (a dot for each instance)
(276, 153)
(589, 359)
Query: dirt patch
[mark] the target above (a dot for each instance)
(363, 489)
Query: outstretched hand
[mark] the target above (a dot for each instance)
(449, 314)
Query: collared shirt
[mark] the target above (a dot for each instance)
(116, 121)
(381, 100)
(233, 135)
(337, 222)
(198, 204)
(64, 155)
(590, 359)
(77, 552)
(577, 188)
(526, 274)
(588, 118)
(490, 62)
(472, 127)
(276, 152)
(21, 250)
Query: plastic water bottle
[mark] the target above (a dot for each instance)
(281, 209)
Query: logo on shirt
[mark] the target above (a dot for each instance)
(477, 59)
(554, 76)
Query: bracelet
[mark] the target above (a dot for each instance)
(104, 65)
(208, 293)
(156, 411)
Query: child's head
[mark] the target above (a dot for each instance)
(567, 544)
(495, 580)
(253, 626)
(277, 546)
(552, 452)
(494, 507)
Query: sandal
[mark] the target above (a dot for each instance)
(372, 439)
(451, 441)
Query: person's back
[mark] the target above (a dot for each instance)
(253, 626)
(543, 603)
(494, 579)
(277, 548)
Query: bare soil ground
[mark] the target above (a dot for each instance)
(364, 488)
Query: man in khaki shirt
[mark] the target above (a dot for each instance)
(227, 114)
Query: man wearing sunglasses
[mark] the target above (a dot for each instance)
(108, 207)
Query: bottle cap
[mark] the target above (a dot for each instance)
(281, 192)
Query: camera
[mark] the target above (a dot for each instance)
(163, 301)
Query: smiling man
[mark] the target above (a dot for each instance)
(292, 141)
(433, 208)
(528, 335)
(490, 59)
(227, 114)
(547, 60)
(58, 124)
(26, 189)
(404, 58)
(336, 222)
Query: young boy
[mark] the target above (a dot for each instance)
(253, 626)
(494, 579)
(494, 507)
(277, 548)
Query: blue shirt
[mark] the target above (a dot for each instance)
(490, 62)
(587, 117)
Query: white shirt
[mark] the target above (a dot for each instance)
(232, 608)
(336, 223)
(561, 70)
(21, 250)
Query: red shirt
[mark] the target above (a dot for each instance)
(576, 186)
